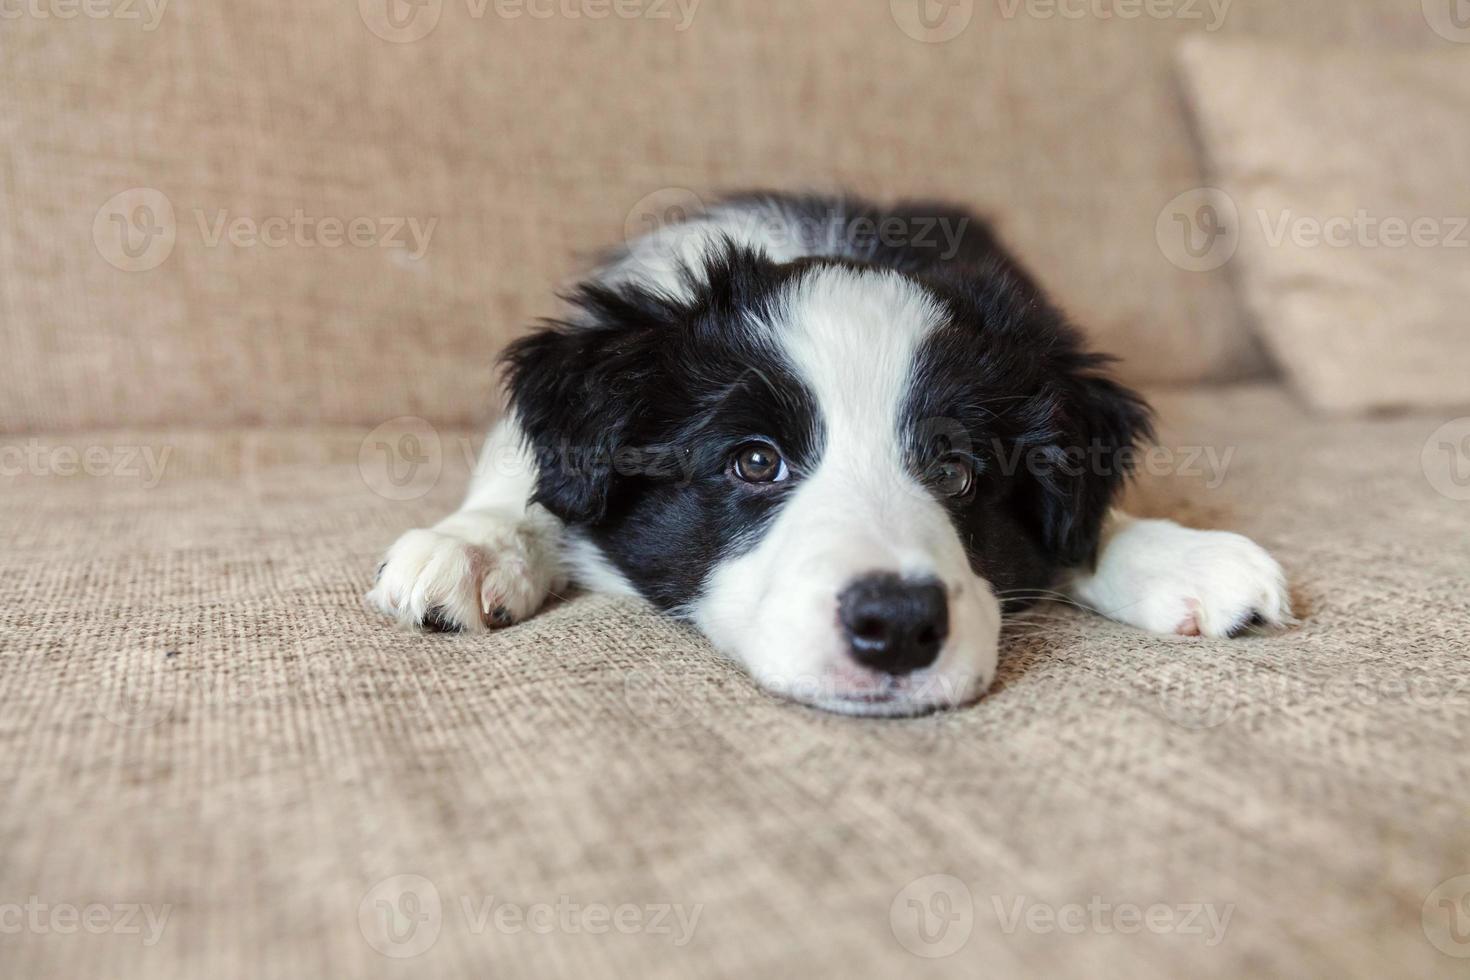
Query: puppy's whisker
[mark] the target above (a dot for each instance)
(1046, 596)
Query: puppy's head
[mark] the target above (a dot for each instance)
(838, 473)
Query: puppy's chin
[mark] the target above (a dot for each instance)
(848, 689)
(897, 704)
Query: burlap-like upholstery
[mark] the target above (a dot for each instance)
(531, 140)
(284, 756)
(1346, 173)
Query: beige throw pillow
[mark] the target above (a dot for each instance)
(1343, 204)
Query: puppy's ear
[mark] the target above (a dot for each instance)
(1092, 426)
(578, 387)
(584, 388)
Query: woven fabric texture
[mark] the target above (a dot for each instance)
(200, 718)
(1345, 171)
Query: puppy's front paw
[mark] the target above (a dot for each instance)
(479, 575)
(1165, 578)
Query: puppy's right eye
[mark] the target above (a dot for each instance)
(758, 462)
(953, 476)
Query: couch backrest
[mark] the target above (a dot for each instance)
(505, 144)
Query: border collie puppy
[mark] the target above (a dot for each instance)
(836, 438)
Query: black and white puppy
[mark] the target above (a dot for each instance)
(837, 444)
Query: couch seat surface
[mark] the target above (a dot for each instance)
(199, 714)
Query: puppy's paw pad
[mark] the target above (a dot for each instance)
(509, 593)
(1190, 625)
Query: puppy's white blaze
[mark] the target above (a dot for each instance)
(852, 336)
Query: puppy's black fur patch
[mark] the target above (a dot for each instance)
(1053, 432)
(634, 406)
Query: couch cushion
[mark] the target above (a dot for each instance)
(528, 141)
(200, 718)
(1354, 249)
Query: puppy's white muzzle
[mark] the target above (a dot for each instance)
(858, 599)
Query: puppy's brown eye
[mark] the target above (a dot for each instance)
(953, 476)
(759, 462)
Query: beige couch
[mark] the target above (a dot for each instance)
(215, 763)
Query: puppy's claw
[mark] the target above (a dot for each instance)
(1190, 626)
(436, 620)
(1252, 624)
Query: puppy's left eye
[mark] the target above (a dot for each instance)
(952, 476)
(758, 462)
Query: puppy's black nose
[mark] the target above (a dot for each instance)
(894, 625)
